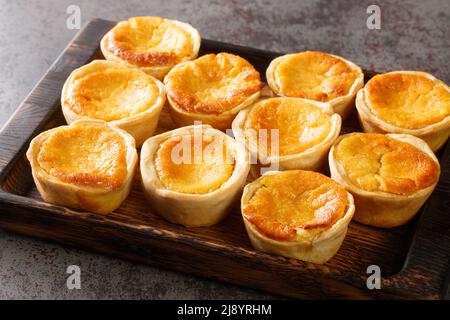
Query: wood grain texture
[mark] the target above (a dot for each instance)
(414, 258)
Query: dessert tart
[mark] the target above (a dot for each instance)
(408, 102)
(211, 89)
(192, 175)
(317, 76)
(298, 214)
(390, 176)
(88, 165)
(127, 98)
(153, 44)
(288, 133)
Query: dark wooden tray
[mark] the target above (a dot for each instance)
(414, 259)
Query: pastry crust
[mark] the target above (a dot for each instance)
(189, 209)
(312, 242)
(306, 156)
(408, 102)
(316, 76)
(109, 91)
(148, 43)
(89, 189)
(211, 89)
(395, 202)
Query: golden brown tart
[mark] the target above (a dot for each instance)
(390, 176)
(193, 174)
(408, 102)
(152, 44)
(211, 89)
(88, 165)
(287, 133)
(316, 76)
(127, 98)
(298, 214)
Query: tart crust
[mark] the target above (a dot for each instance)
(386, 208)
(96, 91)
(192, 209)
(316, 242)
(336, 80)
(158, 56)
(91, 190)
(435, 134)
(311, 158)
(211, 89)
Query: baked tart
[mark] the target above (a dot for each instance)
(153, 44)
(297, 214)
(316, 76)
(211, 89)
(192, 175)
(127, 98)
(409, 102)
(390, 176)
(288, 133)
(88, 165)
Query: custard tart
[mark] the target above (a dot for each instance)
(297, 214)
(153, 44)
(288, 133)
(390, 176)
(409, 102)
(316, 76)
(211, 89)
(192, 175)
(88, 165)
(127, 98)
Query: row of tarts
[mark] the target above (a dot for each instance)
(191, 175)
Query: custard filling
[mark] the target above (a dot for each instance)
(291, 202)
(194, 164)
(90, 156)
(375, 162)
(112, 94)
(297, 126)
(213, 83)
(314, 75)
(408, 101)
(151, 41)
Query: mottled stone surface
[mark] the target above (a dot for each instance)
(413, 35)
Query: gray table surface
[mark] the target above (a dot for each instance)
(414, 35)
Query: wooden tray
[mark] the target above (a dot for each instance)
(414, 259)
